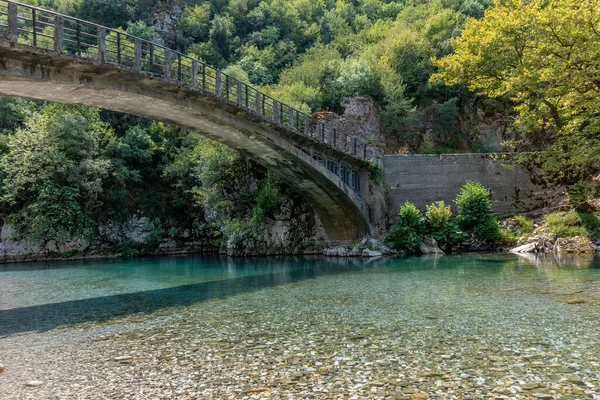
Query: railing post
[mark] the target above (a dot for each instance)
(137, 51)
(355, 142)
(59, 30)
(13, 24)
(365, 152)
(102, 44)
(195, 74)
(275, 111)
(218, 84)
(34, 25)
(238, 90)
(306, 125)
(291, 117)
(257, 103)
(334, 133)
(167, 64)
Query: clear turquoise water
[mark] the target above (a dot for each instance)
(454, 326)
(41, 296)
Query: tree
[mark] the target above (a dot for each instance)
(545, 56)
(52, 173)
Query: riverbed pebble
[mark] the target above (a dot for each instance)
(336, 337)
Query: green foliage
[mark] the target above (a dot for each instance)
(565, 224)
(532, 52)
(408, 231)
(488, 230)
(507, 236)
(525, 224)
(475, 211)
(267, 203)
(474, 205)
(581, 192)
(437, 216)
(376, 174)
(53, 174)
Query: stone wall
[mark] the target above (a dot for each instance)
(424, 179)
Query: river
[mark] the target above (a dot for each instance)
(199, 327)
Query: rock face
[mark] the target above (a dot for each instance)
(134, 234)
(567, 245)
(293, 230)
(360, 119)
(429, 246)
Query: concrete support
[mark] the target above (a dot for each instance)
(59, 31)
(137, 51)
(168, 64)
(13, 24)
(275, 111)
(218, 85)
(102, 44)
(306, 125)
(239, 92)
(194, 74)
(291, 117)
(257, 104)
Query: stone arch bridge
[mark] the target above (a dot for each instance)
(49, 56)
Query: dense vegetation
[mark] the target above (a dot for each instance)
(313, 53)
(447, 75)
(474, 221)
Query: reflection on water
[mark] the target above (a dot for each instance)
(41, 296)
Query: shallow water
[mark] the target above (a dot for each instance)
(448, 326)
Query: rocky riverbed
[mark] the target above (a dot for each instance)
(451, 327)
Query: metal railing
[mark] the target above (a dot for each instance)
(28, 25)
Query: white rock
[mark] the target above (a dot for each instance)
(526, 248)
(34, 383)
(371, 253)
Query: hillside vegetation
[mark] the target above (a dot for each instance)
(446, 75)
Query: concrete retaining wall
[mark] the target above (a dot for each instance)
(423, 179)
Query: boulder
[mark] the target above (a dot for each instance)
(526, 248)
(430, 246)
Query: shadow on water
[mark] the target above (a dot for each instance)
(49, 316)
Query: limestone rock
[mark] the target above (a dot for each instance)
(526, 248)
(371, 253)
(34, 383)
(430, 246)
(575, 244)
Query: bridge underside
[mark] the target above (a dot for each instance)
(35, 74)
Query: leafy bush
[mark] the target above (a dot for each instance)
(508, 236)
(474, 205)
(488, 230)
(438, 215)
(561, 224)
(267, 203)
(526, 224)
(581, 192)
(408, 231)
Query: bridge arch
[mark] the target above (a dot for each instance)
(206, 101)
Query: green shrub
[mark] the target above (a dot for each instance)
(474, 205)
(438, 215)
(525, 223)
(565, 224)
(508, 236)
(267, 203)
(488, 230)
(408, 231)
(581, 192)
